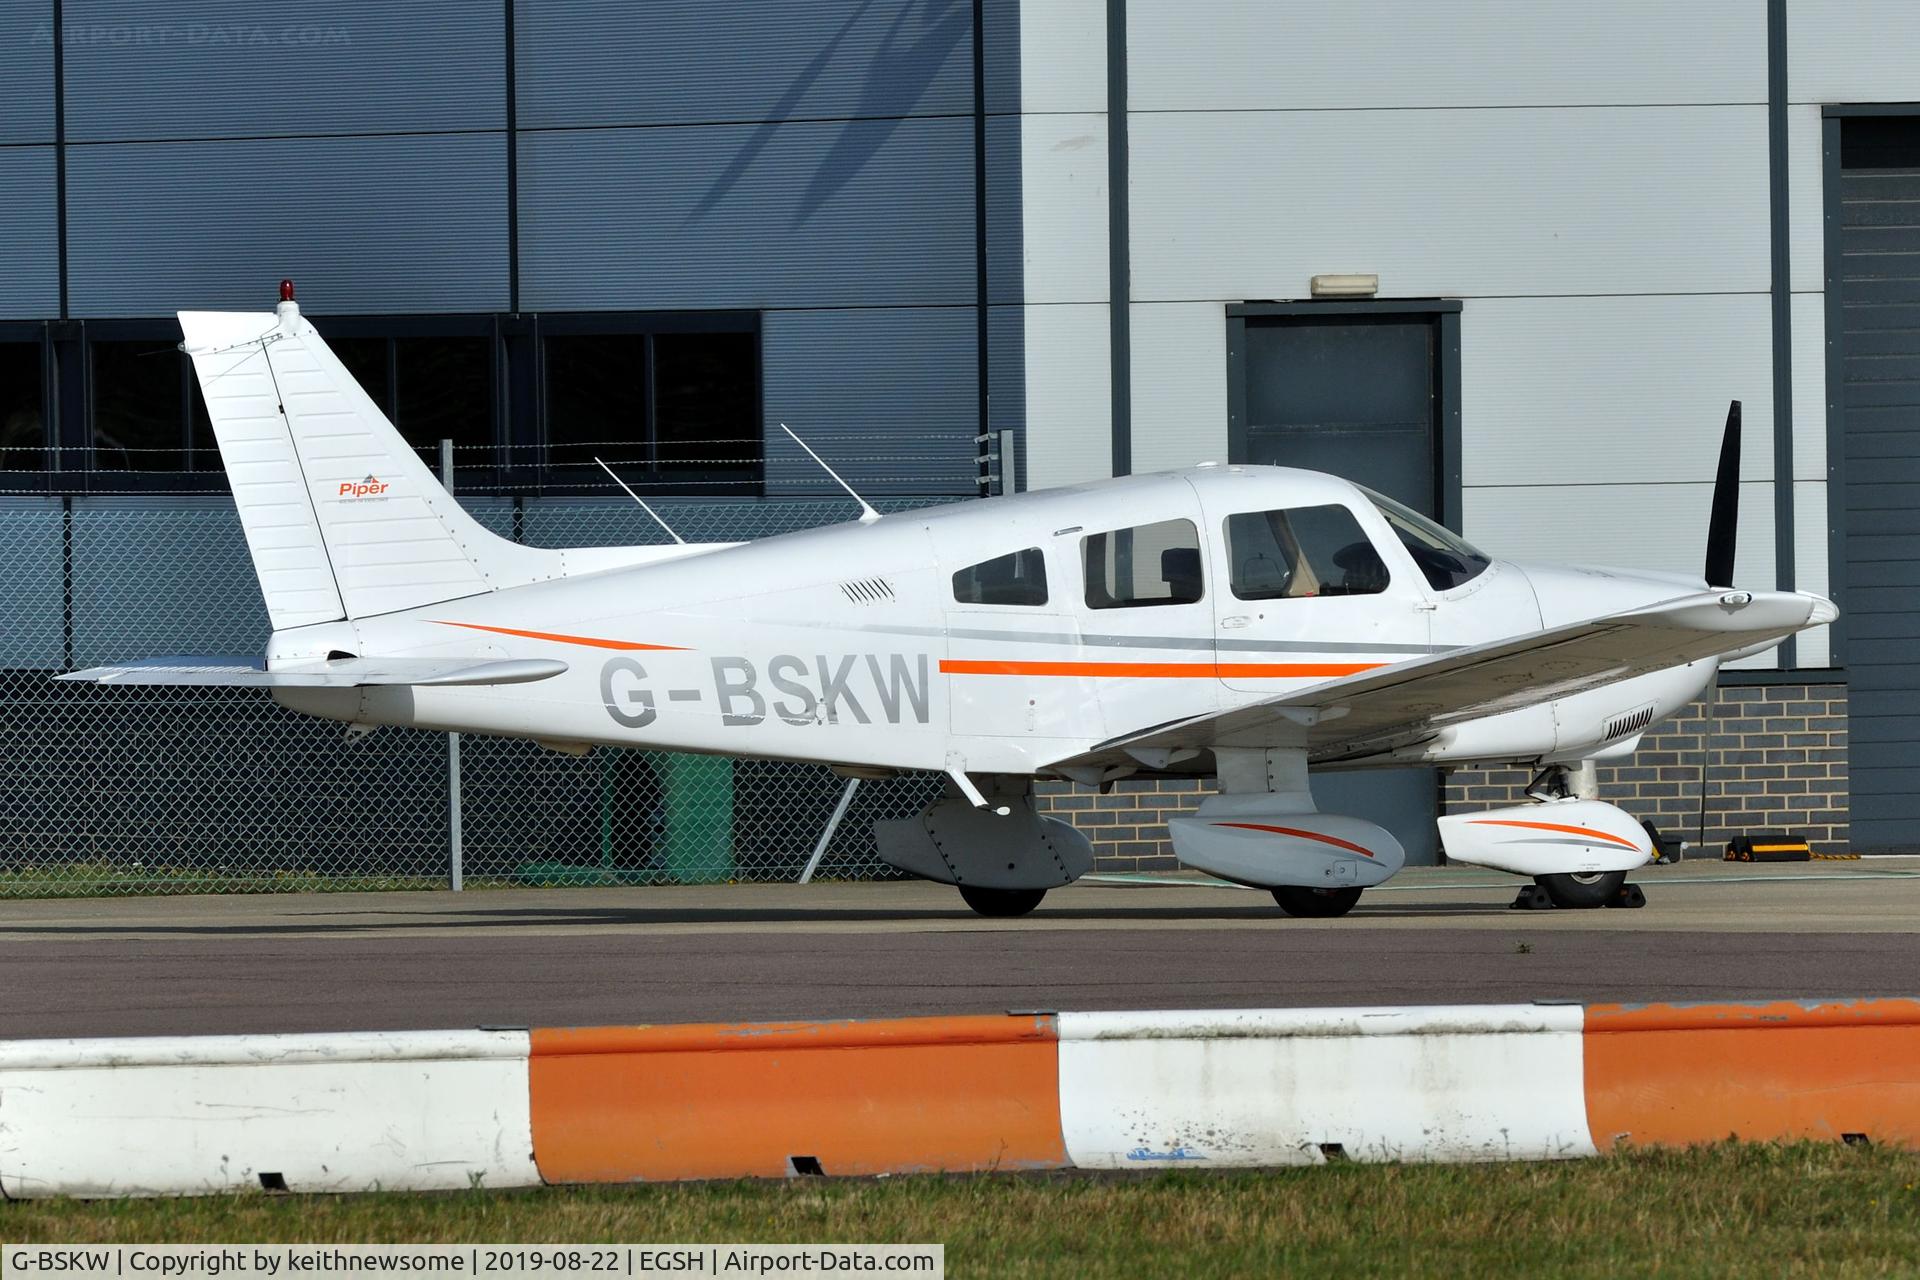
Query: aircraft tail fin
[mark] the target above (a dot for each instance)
(342, 518)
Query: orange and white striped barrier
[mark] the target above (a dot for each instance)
(1031, 1091)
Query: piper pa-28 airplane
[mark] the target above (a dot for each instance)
(1246, 623)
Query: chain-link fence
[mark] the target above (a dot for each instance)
(163, 790)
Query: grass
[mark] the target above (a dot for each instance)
(1727, 1210)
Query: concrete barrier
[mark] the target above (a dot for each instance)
(431, 1110)
(1296, 1086)
(621, 1104)
(428, 1110)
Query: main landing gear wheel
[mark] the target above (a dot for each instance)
(1582, 888)
(1001, 904)
(1315, 904)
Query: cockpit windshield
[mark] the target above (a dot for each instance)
(1447, 559)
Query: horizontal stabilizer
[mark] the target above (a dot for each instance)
(337, 673)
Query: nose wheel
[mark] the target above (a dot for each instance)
(1315, 904)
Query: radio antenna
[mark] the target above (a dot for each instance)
(867, 514)
(643, 505)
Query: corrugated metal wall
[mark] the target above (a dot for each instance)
(26, 70)
(799, 159)
(356, 146)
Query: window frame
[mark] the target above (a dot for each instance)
(34, 333)
(1046, 586)
(1360, 526)
(647, 325)
(516, 460)
(1086, 577)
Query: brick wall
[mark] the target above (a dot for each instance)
(1763, 756)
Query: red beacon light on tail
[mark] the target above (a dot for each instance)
(286, 291)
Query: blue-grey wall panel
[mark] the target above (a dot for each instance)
(605, 62)
(1006, 246)
(160, 576)
(861, 213)
(361, 224)
(1007, 367)
(887, 396)
(30, 591)
(29, 235)
(26, 71)
(236, 68)
(596, 522)
(1002, 64)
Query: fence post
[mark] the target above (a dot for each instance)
(455, 851)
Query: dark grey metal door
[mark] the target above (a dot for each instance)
(1876, 213)
(1357, 396)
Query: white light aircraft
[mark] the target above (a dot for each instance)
(1245, 623)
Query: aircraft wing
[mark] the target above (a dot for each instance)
(1411, 701)
(336, 673)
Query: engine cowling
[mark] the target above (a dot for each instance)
(1548, 838)
(1249, 840)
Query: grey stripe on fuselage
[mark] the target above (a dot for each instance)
(1195, 644)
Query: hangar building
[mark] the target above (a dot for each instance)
(973, 245)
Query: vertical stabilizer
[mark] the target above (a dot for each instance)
(342, 517)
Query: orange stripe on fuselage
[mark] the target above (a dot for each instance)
(1555, 826)
(1296, 832)
(592, 642)
(1156, 670)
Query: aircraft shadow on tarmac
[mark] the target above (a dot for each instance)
(376, 922)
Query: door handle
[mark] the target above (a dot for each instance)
(1237, 620)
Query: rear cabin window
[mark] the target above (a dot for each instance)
(1017, 578)
(1305, 551)
(1149, 564)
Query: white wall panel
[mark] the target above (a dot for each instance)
(1179, 384)
(1450, 203)
(1063, 213)
(1806, 208)
(1627, 526)
(1069, 394)
(1613, 389)
(1810, 386)
(1853, 51)
(1255, 54)
(1063, 55)
(1810, 568)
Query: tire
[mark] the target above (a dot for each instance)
(1001, 904)
(1581, 889)
(1315, 904)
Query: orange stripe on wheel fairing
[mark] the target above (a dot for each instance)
(592, 642)
(1157, 670)
(619, 1104)
(1295, 831)
(1588, 832)
(1681, 1074)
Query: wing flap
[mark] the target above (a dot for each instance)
(337, 673)
(1412, 700)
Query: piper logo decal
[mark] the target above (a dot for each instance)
(371, 487)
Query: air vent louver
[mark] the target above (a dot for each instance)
(868, 591)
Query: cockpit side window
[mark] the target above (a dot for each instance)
(1149, 564)
(1304, 551)
(1019, 577)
